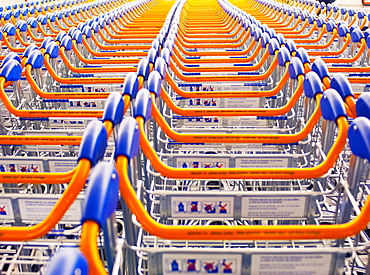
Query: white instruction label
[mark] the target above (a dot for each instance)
(274, 207)
(6, 210)
(260, 162)
(292, 264)
(36, 210)
(201, 263)
(242, 103)
(202, 207)
(59, 166)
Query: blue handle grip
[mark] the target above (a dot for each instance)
(156, 44)
(12, 70)
(143, 68)
(168, 44)
(283, 56)
(21, 25)
(265, 39)
(35, 59)
(166, 54)
(303, 55)
(358, 134)
(93, 143)
(101, 194)
(273, 46)
(45, 42)
(42, 19)
(114, 108)
(330, 26)
(60, 36)
(152, 55)
(363, 105)
(319, 67)
(155, 83)
(77, 36)
(290, 44)
(341, 84)
(51, 17)
(143, 105)
(10, 56)
(257, 34)
(332, 106)
(71, 31)
(9, 29)
(312, 85)
(281, 39)
(66, 43)
(32, 22)
(161, 67)
(128, 139)
(357, 35)
(95, 27)
(52, 49)
(295, 68)
(131, 85)
(342, 30)
(68, 261)
(87, 31)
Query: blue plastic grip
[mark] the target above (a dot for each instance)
(143, 68)
(319, 67)
(283, 56)
(273, 46)
(342, 30)
(131, 85)
(303, 55)
(265, 39)
(42, 19)
(12, 70)
(295, 68)
(358, 135)
(21, 25)
(152, 55)
(166, 54)
(29, 49)
(312, 85)
(155, 83)
(68, 261)
(77, 36)
(357, 35)
(93, 143)
(87, 31)
(60, 36)
(10, 56)
(290, 44)
(114, 108)
(32, 22)
(161, 67)
(45, 42)
(341, 84)
(35, 59)
(66, 43)
(101, 195)
(363, 105)
(332, 106)
(128, 139)
(143, 105)
(9, 29)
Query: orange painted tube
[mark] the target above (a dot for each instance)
(89, 247)
(18, 233)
